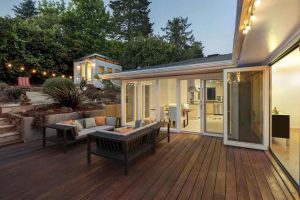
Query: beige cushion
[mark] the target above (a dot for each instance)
(78, 127)
(90, 122)
(84, 133)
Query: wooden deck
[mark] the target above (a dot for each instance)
(190, 167)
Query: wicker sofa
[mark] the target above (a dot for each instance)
(124, 146)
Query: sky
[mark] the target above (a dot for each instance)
(213, 21)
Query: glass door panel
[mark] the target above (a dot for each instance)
(247, 107)
(131, 102)
(168, 102)
(190, 98)
(148, 100)
(214, 92)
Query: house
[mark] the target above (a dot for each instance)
(249, 97)
(86, 68)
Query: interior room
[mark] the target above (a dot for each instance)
(286, 113)
(214, 107)
(190, 98)
(167, 102)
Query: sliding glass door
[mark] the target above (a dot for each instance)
(213, 112)
(247, 107)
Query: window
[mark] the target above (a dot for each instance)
(83, 72)
(101, 70)
(109, 70)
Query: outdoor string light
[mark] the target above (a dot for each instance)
(250, 16)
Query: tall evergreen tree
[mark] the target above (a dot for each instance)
(26, 9)
(177, 33)
(131, 18)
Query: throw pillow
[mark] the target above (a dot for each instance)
(68, 122)
(78, 127)
(90, 122)
(100, 120)
(111, 121)
(142, 124)
(123, 130)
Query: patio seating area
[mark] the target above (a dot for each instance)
(189, 167)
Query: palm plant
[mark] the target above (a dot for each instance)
(63, 92)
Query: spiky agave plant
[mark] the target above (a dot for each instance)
(63, 91)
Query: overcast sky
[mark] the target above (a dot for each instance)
(213, 21)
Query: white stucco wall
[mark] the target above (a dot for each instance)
(96, 64)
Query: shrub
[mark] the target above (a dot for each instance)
(92, 93)
(12, 94)
(63, 91)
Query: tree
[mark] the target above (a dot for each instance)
(144, 52)
(26, 9)
(131, 18)
(177, 34)
(87, 23)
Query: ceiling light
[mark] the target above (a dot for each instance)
(257, 3)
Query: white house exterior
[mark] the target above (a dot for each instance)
(250, 98)
(87, 67)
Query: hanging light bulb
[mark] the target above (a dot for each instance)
(53, 75)
(63, 76)
(9, 65)
(248, 27)
(33, 71)
(252, 17)
(22, 68)
(44, 73)
(70, 77)
(257, 3)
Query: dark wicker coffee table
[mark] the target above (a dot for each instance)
(63, 132)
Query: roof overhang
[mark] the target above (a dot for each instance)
(203, 68)
(276, 28)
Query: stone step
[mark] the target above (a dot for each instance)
(5, 121)
(7, 128)
(9, 137)
(10, 142)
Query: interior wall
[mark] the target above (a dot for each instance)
(286, 87)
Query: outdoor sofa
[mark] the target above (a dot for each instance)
(125, 146)
(72, 131)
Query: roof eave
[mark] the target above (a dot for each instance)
(171, 71)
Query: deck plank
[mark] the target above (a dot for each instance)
(241, 183)
(220, 187)
(200, 181)
(253, 189)
(264, 188)
(231, 192)
(189, 167)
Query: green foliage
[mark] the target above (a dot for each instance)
(145, 52)
(26, 9)
(177, 33)
(63, 92)
(52, 39)
(131, 18)
(12, 94)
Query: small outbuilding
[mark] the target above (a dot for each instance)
(89, 67)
